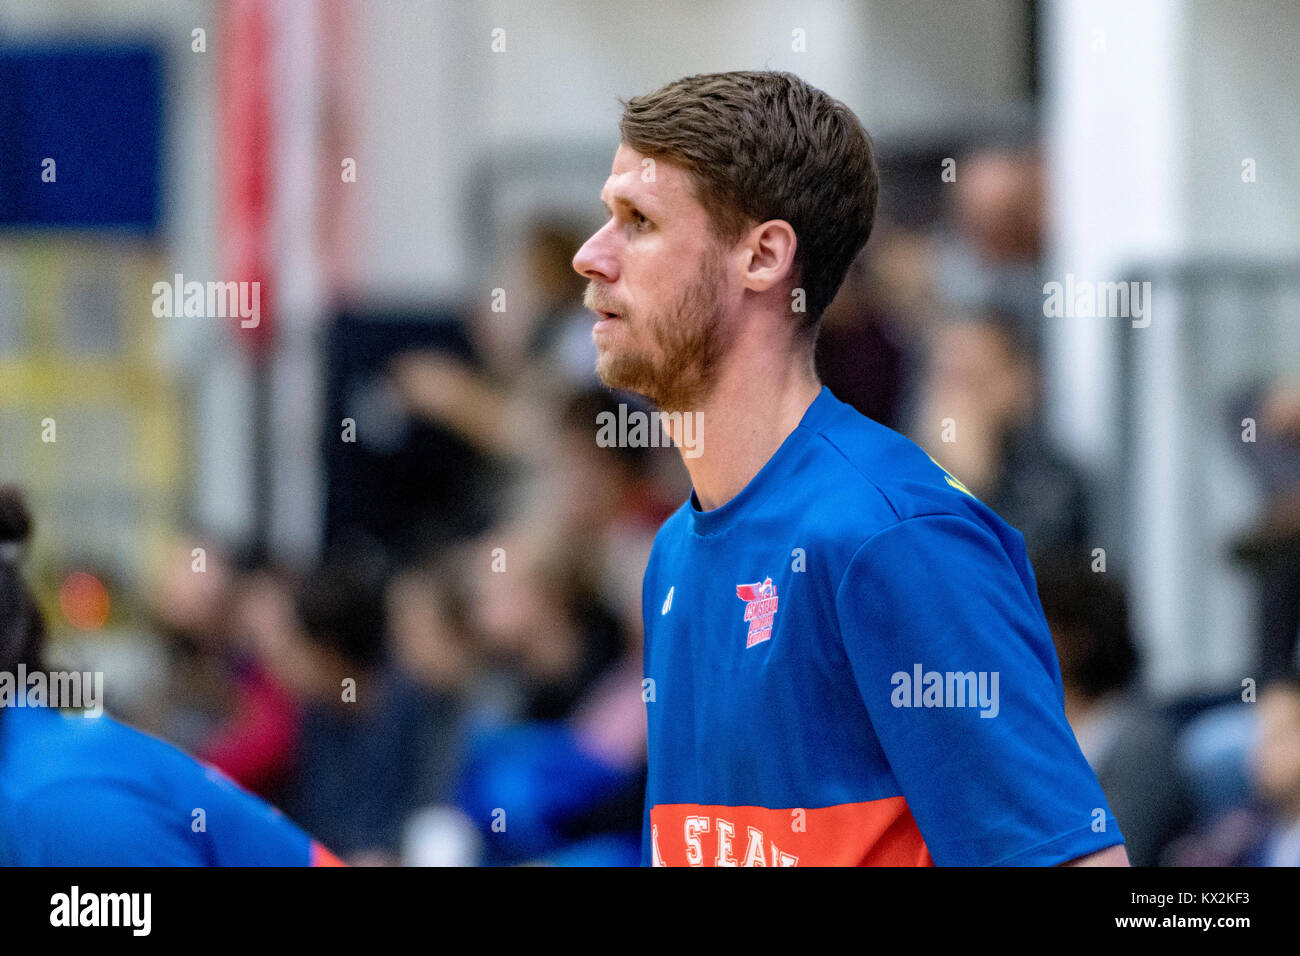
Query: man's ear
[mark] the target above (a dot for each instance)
(770, 247)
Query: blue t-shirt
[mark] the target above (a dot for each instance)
(79, 791)
(848, 665)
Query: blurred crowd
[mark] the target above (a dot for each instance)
(472, 695)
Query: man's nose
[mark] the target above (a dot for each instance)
(595, 260)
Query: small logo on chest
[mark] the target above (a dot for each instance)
(760, 608)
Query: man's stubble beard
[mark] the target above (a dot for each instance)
(689, 334)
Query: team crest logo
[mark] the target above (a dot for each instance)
(760, 608)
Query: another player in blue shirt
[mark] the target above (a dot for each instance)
(90, 791)
(847, 661)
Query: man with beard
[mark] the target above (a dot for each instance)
(830, 617)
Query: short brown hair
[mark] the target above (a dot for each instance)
(766, 145)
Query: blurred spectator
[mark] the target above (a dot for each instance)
(1126, 741)
(190, 610)
(565, 763)
(859, 355)
(439, 667)
(220, 702)
(991, 260)
(1215, 746)
(1271, 547)
(983, 389)
(535, 613)
(613, 498)
(561, 327)
(361, 752)
(1266, 832)
(1275, 766)
(411, 483)
(1213, 750)
(256, 744)
(533, 355)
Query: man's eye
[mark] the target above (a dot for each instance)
(640, 221)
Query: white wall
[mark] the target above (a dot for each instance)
(1150, 109)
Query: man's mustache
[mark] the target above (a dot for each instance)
(594, 298)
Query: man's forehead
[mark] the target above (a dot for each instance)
(628, 178)
(627, 159)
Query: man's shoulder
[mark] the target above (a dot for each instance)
(67, 751)
(854, 478)
(862, 470)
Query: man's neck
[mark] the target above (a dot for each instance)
(758, 401)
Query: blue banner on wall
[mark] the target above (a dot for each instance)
(80, 136)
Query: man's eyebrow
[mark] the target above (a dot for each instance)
(623, 200)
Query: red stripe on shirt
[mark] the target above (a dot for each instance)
(872, 833)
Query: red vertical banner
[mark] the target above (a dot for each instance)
(245, 162)
(338, 196)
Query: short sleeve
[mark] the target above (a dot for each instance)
(204, 820)
(956, 667)
(93, 824)
(247, 831)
